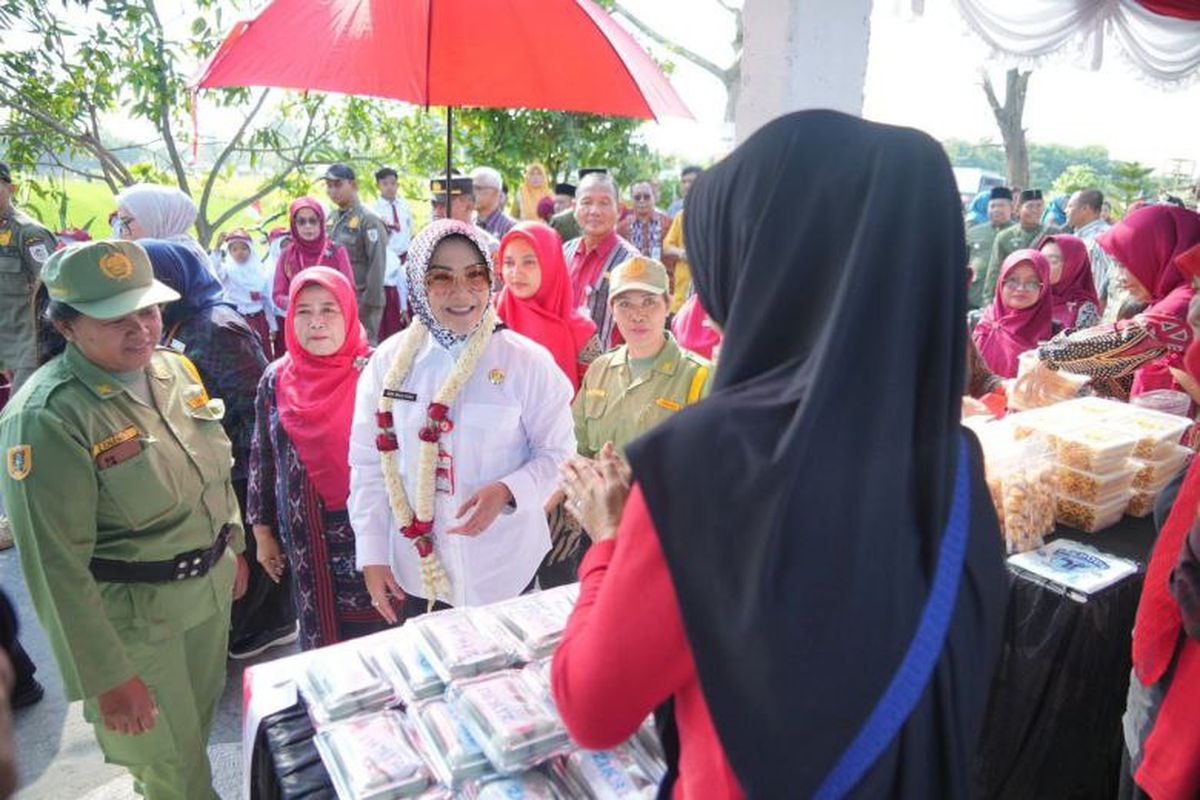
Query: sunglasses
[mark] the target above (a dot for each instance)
(441, 280)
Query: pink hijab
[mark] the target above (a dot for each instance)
(1076, 285)
(1003, 333)
(315, 394)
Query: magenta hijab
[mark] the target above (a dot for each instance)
(1004, 333)
(1076, 285)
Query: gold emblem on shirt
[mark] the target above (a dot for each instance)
(20, 462)
(5, 238)
(496, 377)
(353, 223)
(117, 266)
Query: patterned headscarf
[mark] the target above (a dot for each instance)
(419, 253)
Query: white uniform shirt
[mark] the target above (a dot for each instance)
(397, 216)
(512, 423)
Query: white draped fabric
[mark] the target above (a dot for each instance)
(1165, 49)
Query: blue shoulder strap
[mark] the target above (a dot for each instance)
(916, 670)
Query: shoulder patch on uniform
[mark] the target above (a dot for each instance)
(372, 235)
(197, 396)
(39, 253)
(20, 462)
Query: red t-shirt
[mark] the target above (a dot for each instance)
(625, 652)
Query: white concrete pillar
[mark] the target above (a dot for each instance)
(800, 54)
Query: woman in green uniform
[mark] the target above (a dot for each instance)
(118, 487)
(626, 391)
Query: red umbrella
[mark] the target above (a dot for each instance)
(567, 55)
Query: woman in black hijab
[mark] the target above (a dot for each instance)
(823, 507)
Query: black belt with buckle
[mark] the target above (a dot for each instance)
(192, 564)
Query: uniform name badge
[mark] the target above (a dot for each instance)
(443, 476)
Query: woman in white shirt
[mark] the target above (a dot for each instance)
(460, 426)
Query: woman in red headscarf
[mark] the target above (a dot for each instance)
(1144, 246)
(1162, 739)
(536, 299)
(299, 462)
(1020, 315)
(1072, 287)
(309, 246)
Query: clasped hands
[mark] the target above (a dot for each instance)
(596, 491)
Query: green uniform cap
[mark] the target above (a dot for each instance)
(104, 280)
(641, 274)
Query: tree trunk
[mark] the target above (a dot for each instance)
(1009, 119)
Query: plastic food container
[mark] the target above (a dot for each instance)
(1022, 483)
(1141, 504)
(1089, 517)
(618, 774)
(533, 785)
(460, 644)
(1093, 488)
(451, 751)
(1154, 473)
(409, 670)
(1158, 434)
(1167, 401)
(1094, 449)
(371, 758)
(536, 620)
(336, 688)
(515, 727)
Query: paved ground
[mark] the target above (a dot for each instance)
(58, 755)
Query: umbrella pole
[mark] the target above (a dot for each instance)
(449, 154)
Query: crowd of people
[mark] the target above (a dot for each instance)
(210, 454)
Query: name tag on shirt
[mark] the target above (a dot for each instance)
(444, 476)
(119, 447)
(396, 394)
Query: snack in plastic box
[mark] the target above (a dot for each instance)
(533, 785)
(371, 758)
(1153, 473)
(1089, 517)
(1094, 448)
(409, 670)
(536, 620)
(459, 644)
(1091, 487)
(1157, 433)
(1038, 386)
(1022, 483)
(1141, 504)
(647, 737)
(447, 744)
(515, 727)
(618, 774)
(338, 686)
(537, 675)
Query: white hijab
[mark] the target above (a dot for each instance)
(164, 212)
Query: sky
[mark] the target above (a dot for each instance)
(924, 72)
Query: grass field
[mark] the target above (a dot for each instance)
(89, 204)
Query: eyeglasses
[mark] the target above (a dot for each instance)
(1015, 285)
(441, 280)
(643, 197)
(307, 222)
(627, 305)
(125, 222)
